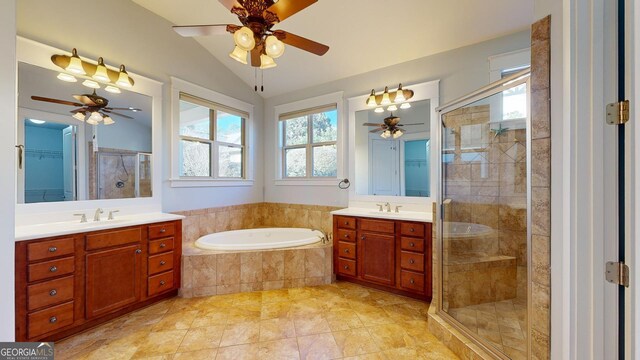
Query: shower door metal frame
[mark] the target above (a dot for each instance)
(494, 88)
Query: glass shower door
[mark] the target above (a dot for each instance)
(484, 237)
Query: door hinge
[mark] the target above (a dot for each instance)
(618, 113)
(617, 273)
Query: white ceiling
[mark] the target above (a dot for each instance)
(363, 35)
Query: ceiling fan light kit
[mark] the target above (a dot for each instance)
(239, 55)
(99, 72)
(392, 99)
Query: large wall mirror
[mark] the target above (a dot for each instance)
(67, 158)
(393, 168)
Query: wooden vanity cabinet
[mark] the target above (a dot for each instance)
(391, 255)
(69, 283)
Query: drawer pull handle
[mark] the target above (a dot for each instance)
(163, 230)
(53, 269)
(53, 249)
(346, 236)
(346, 267)
(138, 251)
(162, 262)
(346, 223)
(163, 245)
(411, 261)
(362, 237)
(411, 230)
(53, 292)
(53, 319)
(412, 244)
(412, 281)
(346, 251)
(162, 282)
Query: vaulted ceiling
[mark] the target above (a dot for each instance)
(363, 35)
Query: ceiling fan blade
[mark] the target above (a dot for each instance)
(230, 4)
(376, 130)
(301, 43)
(115, 113)
(409, 124)
(85, 100)
(201, 30)
(55, 101)
(371, 124)
(122, 108)
(255, 56)
(286, 8)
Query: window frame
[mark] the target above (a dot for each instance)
(301, 106)
(216, 102)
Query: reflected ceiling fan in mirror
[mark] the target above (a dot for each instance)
(256, 35)
(92, 107)
(391, 127)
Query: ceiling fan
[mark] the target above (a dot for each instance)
(256, 34)
(391, 127)
(93, 104)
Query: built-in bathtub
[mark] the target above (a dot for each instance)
(255, 259)
(259, 239)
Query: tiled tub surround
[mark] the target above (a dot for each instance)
(206, 272)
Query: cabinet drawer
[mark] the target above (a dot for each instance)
(50, 249)
(412, 244)
(412, 261)
(412, 281)
(113, 238)
(160, 283)
(160, 263)
(345, 222)
(412, 229)
(160, 246)
(47, 320)
(347, 267)
(379, 226)
(50, 292)
(347, 250)
(49, 269)
(346, 235)
(161, 230)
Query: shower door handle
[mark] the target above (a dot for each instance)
(20, 156)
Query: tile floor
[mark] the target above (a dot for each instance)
(337, 321)
(502, 323)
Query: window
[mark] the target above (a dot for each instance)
(309, 143)
(211, 139)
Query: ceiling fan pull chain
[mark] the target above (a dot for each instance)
(255, 79)
(262, 78)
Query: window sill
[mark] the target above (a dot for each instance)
(307, 182)
(183, 183)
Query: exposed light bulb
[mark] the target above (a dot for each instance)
(67, 77)
(274, 47)
(239, 55)
(385, 134)
(101, 72)
(392, 108)
(37, 122)
(108, 120)
(405, 106)
(244, 39)
(112, 89)
(123, 78)
(91, 84)
(399, 95)
(75, 64)
(397, 133)
(379, 110)
(371, 100)
(385, 97)
(266, 62)
(80, 115)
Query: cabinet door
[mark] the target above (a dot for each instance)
(376, 256)
(112, 279)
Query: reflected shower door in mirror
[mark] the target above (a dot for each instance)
(485, 246)
(67, 156)
(392, 151)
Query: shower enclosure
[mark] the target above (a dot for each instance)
(483, 233)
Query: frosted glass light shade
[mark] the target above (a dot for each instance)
(405, 106)
(91, 84)
(399, 95)
(239, 55)
(67, 77)
(123, 78)
(108, 120)
(385, 134)
(379, 110)
(101, 72)
(397, 133)
(266, 62)
(95, 116)
(392, 108)
(371, 100)
(274, 47)
(90, 121)
(244, 39)
(75, 64)
(112, 89)
(79, 116)
(385, 97)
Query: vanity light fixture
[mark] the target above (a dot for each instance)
(100, 72)
(393, 98)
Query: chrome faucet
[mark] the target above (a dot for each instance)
(388, 207)
(379, 207)
(83, 217)
(96, 216)
(398, 208)
(111, 214)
